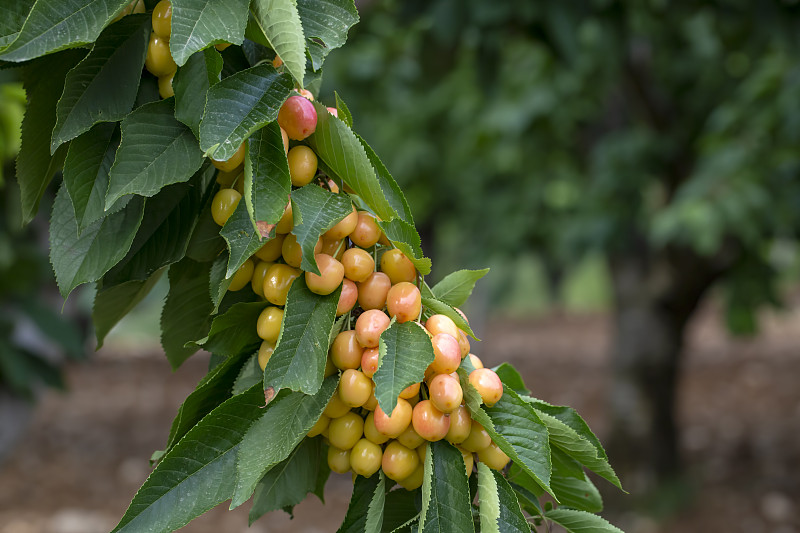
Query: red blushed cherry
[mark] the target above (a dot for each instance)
(445, 392)
(297, 117)
(429, 422)
(393, 425)
(348, 298)
(488, 384)
(369, 326)
(447, 353)
(404, 301)
(369, 361)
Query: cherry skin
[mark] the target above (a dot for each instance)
(446, 352)
(404, 301)
(271, 250)
(460, 425)
(369, 326)
(162, 19)
(395, 424)
(318, 427)
(478, 438)
(302, 165)
(358, 264)
(278, 281)
(410, 438)
(233, 163)
(469, 460)
(397, 266)
(338, 460)
(333, 248)
(371, 432)
(345, 351)
(429, 422)
(493, 457)
(476, 361)
(446, 393)
(373, 291)
(414, 481)
(224, 204)
(297, 117)
(354, 388)
(331, 274)
(488, 384)
(242, 276)
(285, 139)
(345, 431)
(259, 273)
(365, 458)
(369, 361)
(344, 227)
(442, 324)
(165, 89)
(463, 343)
(336, 408)
(367, 232)
(409, 392)
(269, 323)
(286, 223)
(348, 298)
(398, 461)
(265, 353)
(158, 60)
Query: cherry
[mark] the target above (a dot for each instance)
(398, 461)
(264, 353)
(367, 232)
(463, 343)
(442, 324)
(395, 424)
(348, 298)
(338, 460)
(445, 393)
(223, 205)
(165, 89)
(285, 139)
(354, 388)
(409, 392)
(414, 481)
(397, 266)
(447, 354)
(259, 273)
(271, 250)
(478, 438)
(404, 301)
(336, 408)
(371, 432)
(369, 361)
(292, 252)
(369, 326)
(345, 351)
(358, 264)
(365, 458)
(460, 425)
(242, 276)
(475, 360)
(269, 323)
(297, 117)
(429, 422)
(302, 165)
(331, 274)
(372, 292)
(344, 227)
(493, 457)
(286, 223)
(410, 438)
(345, 431)
(278, 281)
(162, 19)
(233, 162)
(158, 60)
(469, 460)
(488, 384)
(320, 426)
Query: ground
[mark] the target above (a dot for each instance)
(85, 453)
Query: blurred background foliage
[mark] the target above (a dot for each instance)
(634, 155)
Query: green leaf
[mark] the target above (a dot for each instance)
(218, 284)
(405, 237)
(191, 83)
(342, 155)
(197, 24)
(489, 500)
(275, 434)
(288, 483)
(198, 473)
(238, 106)
(325, 23)
(394, 195)
(447, 487)
(249, 375)
(243, 240)
(156, 150)
(438, 307)
(80, 259)
(316, 210)
(511, 518)
(12, 17)
(234, 330)
(86, 167)
(512, 379)
(266, 178)
(213, 390)
(298, 362)
(580, 521)
(577, 493)
(455, 288)
(399, 510)
(572, 419)
(187, 310)
(169, 220)
(103, 86)
(367, 493)
(343, 113)
(206, 243)
(405, 352)
(54, 25)
(280, 23)
(113, 303)
(35, 165)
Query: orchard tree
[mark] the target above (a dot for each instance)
(660, 134)
(189, 142)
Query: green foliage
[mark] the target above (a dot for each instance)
(316, 211)
(197, 24)
(266, 179)
(445, 491)
(405, 352)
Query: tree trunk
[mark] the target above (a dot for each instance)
(655, 295)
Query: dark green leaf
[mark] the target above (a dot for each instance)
(326, 23)
(500, 510)
(198, 473)
(42, 80)
(55, 25)
(435, 306)
(243, 240)
(343, 113)
(218, 284)
(366, 490)
(289, 482)
(399, 509)
(86, 167)
(187, 310)
(197, 24)
(580, 521)
(80, 259)
(191, 82)
(280, 24)
(266, 178)
(114, 302)
(456, 287)
(233, 331)
(238, 106)
(249, 375)
(316, 210)
(512, 379)
(12, 17)
(405, 237)
(275, 434)
(298, 362)
(156, 151)
(445, 491)
(577, 493)
(405, 352)
(103, 87)
(394, 195)
(571, 418)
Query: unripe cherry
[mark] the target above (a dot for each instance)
(415, 480)
(429, 422)
(165, 89)
(338, 460)
(372, 292)
(286, 223)
(302, 165)
(397, 266)
(478, 438)
(445, 393)
(395, 424)
(333, 249)
(233, 162)
(398, 461)
(158, 60)
(354, 388)
(366, 458)
(371, 432)
(488, 385)
(271, 250)
(460, 425)
(319, 426)
(442, 324)
(242, 276)
(278, 281)
(336, 408)
(162, 19)
(367, 232)
(404, 301)
(493, 457)
(369, 326)
(344, 227)
(447, 354)
(224, 204)
(348, 297)
(345, 351)
(331, 274)
(345, 431)
(226, 179)
(269, 323)
(369, 361)
(469, 460)
(265, 353)
(297, 117)
(285, 139)
(358, 264)
(259, 273)
(410, 438)
(372, 402)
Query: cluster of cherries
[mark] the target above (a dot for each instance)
(377, 285)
